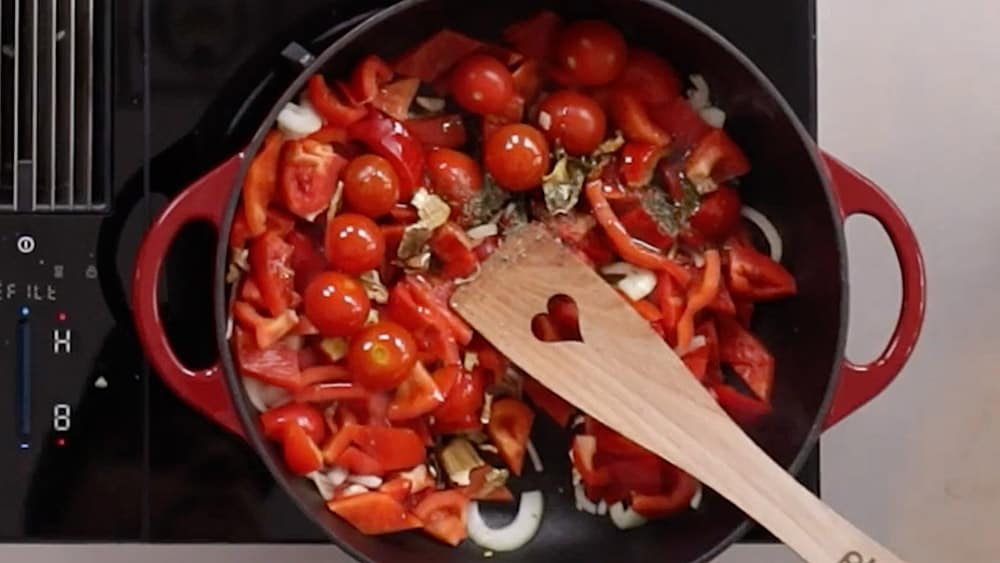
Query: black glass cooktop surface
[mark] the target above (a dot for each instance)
(108, 453)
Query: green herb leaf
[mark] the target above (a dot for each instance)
(485, 204)
(562, 187)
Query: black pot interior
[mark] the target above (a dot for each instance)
(805, 333)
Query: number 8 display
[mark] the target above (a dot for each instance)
(61, 417)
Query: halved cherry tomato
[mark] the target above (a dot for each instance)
(634, 121)
(307, 261)
(591, 52)
(509, 429)
(754, 276)
(437, 55)
(681, 488)
(639, 163)
(416, 396)
(330, 391)
(548, 402)
(309, 174)
(337, 304)
(368, 77)
(270, 265)
(718, 213)
(326, 102)
(273, 421)
(382, 355)
(267, 331)
(390, 139)
(652, 78)
(374, 513)
(641, 226)
(517, 156)
(393, 448)
(371, 186)
(681, 121)
(717, 157)
(573, 120)
(745, 410)
(462, 405)
(482, 85)
(446, 131)
(261, 182)
(747, 356)
(453, 248)
(354, 243)
(277, 365)
(535, 37)
(301, 454)
(443, 515)
(454, 176)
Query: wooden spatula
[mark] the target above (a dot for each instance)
(624, 375)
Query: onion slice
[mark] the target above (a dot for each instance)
(625, 518)
(767, 228)
(514, 535)
(536, 460)
(263, 396)
(299, 120)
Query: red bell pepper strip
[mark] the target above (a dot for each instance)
(700, 297)
(359, 463)
(716, 157)
(374, 513)
(391, 140)
(535, 37)
(329, 134)
(393, 448)
(267, 331)
(675, 500)
(425, 295)
(631, 116)
(330, 391)
(433, 58)
(640, 225)
(723, 302)
(368, 78)
(326, 102)
(462, 405)
(340, 440)
(747, 356)
(261, 182)
(627, 248)
(446, 131)
(443, 514)
(270, 265)
(548, 402)
(509, 429)
(273, 421)
(317, 374)
(396, 98)
(681, 122)
(454, 249)
(416, 396)
(639, 162)
(756, 277)
(398, 488)
(745, 410)
(670, 297)
(301, 454)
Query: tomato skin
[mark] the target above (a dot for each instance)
(482, 85)
(592, 52)
(574, 120)
(650, 76)
(382, 355)
(336, 304)
(756, 277)
(454, 176)
(270, 265)
(389, 138)
(446, 131)
(354, 243)
(371, 186)
(443, 514)
(509, 430)
(517, 156)
(261, 182)
(308, 417)
(718, 214)
(374, 513)
(301, 454)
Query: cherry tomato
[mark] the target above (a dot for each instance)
(354, 243)
(371, 186)
(454, 176)
(482, 85)
(517, 156)
(382, 355)
(573, 120)
(593, 52)
(336, 304)
(719, 213)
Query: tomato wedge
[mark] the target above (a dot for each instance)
(509, 430)
(443, 515)
(309, 174)
(301, 454)
(374, 513)
(416, 396)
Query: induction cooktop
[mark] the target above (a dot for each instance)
(108, 109)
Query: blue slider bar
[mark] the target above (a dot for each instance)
(23, 380)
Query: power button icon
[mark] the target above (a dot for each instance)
(25, 244)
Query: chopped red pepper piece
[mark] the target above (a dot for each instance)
(718, 158)
(509, 429)
(301, 454)
(309, 174)
(326, 102)
(681, 121)
(640, 225)
(434, 57)
(700, 297)
(374, 513)
(368, 78)
(261, 182)
(754, 276)
(308, 417)
(359, 463)
(650, 76)
(393, 448)
(639, 162)
(676, 499)
(634, 121)
(745, 410)
(747, 356)
(390, 139)
(535, 37)
(443, 515)
(270, 265)
(331, 391)
(557, 408)
(453, 248)
(416, 396)
(277, 365)
(395, 99)
(267, 331)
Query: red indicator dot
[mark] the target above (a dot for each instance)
(60, 442)
(61, 317)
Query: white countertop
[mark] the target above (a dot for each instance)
(907, 92)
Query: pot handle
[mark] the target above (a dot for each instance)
(204, 200)
(861, 383)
